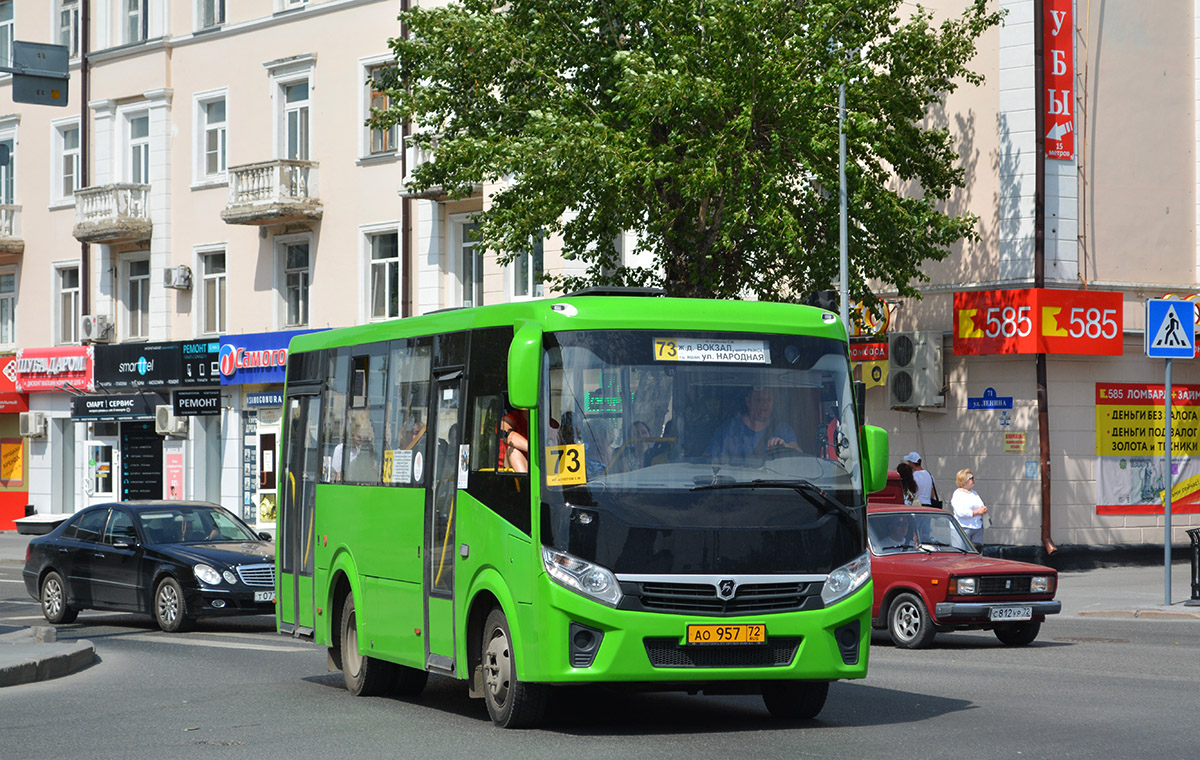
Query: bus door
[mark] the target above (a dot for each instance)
(295, 606)
(449, 465)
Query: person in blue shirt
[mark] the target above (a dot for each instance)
(754, 431)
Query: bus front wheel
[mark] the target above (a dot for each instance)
(511, 702)
(795, 700)
(365, 676)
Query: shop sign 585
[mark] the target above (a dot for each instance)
(1032, 321)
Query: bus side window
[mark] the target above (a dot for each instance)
(361, 460)
(333, 427)
(407, 410)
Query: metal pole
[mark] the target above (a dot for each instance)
(844, 266)
(1167, 490)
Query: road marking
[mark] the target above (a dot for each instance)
(7, 581)
(164, 639)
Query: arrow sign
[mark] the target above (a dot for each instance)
(1170, 329)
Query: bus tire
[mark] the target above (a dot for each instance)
(511, 703)
(365, 676)
(795, 700)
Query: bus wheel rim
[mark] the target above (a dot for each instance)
(497, 667)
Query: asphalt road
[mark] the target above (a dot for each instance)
(1089, 687)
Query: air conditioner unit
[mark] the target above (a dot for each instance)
(179, 277)
(95, 328)
(33, 424)
(915, 370)
(166, 423)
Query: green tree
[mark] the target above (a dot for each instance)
(709, 127)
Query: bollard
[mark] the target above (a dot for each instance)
(1194, 534)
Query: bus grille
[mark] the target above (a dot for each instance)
(669, 653)
(257, 575)
(701, 598)
(1000, 585)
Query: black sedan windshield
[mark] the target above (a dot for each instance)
(189, 524)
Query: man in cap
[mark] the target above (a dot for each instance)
(923, 478)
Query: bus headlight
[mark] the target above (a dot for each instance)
(582, 577)
(847, 579)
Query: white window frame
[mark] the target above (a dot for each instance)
(65, 335)
(69, 9)
(283, 75)
(368, 234)
(8, 173)
(138, 144)
(8, 32)
(200, 103)
(139, 313)
(8, 308)
(59, 156)
(203, 9)
(532, 286)
(282, 243)
(366, 138)
(458, 224)
(205, 279)
(138, 12)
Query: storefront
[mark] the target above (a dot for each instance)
(255, 363)
(14, 456)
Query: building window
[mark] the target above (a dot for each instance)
(214, 137)
(139, 150)
(137, 300)
(68, 163)
(8, 174)
(8, 308)
(385, 275)
(68, 26)
(295, 121)
(68, 305)
(471, 263)
(213, 267)
(6, 31)
(212, 13)
(295, 284)
(137, 20)
(379, 141)
(527, 272)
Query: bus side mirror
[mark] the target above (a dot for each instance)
(860, 399)
(873, 442)
(525, 366)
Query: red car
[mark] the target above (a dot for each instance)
(929, 578)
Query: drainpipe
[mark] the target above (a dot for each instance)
(406, 206)
(1039, 263)
(85, 290)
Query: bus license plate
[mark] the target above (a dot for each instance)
(264, 596)
(742, 633)
(1011, 613)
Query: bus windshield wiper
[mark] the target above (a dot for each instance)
(809, 490)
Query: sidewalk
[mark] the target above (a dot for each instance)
(1130, 592)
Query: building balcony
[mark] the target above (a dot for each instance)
(113, 214)
(414, 156)
(273, 192)
(11, 241)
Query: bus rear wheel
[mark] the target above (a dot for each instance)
(365, 676)
(511, 702)
(795, 700)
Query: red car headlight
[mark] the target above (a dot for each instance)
(962, 586)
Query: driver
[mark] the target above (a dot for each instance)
(754, 431)
(900, 533)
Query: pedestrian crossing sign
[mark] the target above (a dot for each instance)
(1170, 329)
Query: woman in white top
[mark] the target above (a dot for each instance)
(968, 507)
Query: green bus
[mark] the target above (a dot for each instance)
(598, 488)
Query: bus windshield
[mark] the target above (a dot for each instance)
(675, 451)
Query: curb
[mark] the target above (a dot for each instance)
(1148, 614)
(34, 654)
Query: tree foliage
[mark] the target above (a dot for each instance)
(708, 127)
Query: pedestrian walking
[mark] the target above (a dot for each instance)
(926, 489)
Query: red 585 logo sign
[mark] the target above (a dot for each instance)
(1031, 320)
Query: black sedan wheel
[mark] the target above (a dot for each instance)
(54, 600)
(170, 609)
(909, 622)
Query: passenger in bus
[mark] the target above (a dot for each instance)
(358, 462)
(753, 431)
(633, 453)
(597, 445)
(514, 442)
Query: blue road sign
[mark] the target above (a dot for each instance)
(1170, 329)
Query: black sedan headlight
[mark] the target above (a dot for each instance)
(207, 574)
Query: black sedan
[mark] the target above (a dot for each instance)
(175, 560)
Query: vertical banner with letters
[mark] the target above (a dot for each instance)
(1058, 66)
